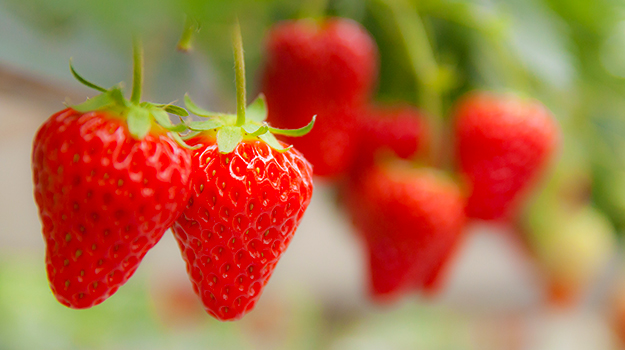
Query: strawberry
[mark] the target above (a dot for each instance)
(410, 219)
(327, 68)
(243, 213)
(502, 142)
(397, 129)
(312, 64)
(108, 182)
(249, 194)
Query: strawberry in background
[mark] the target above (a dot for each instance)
(411, 219)
(502, 143)
(326, 68)
(394, 129)
(332, 145)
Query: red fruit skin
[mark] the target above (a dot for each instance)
(400, 130)
(411, 219)
(104, 199)
(332, 144)
(327, 69)
(502, 143)
(312, 64)
(242, 215)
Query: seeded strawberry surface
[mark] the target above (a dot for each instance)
(244, 210)
(105, 198)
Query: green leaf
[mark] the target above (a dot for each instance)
(273, 142)
(118, 96)
(163, 120)
(193, 108)
(294, 132)
(254, 129)
(228, 138)
(95, 103)
(257, 110)
(83, 80)
(173, 109)
(259, 131)
(139, 122)
(180, 141)
(190, 135)
(206, 124)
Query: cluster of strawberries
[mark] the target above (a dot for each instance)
(111, 175)
(410, 217)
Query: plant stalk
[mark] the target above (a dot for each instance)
(239, 70)
(185, 44)
(137, 70)
(425, 69)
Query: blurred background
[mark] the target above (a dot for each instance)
(569, 54)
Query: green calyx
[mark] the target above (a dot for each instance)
(249, 122)
(141, 117)
(224, 128)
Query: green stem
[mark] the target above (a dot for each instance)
(239, 70)
(137, 70)
(313, 9)
(417, 44)
(426, 71)
(185, 43)
(495, 30)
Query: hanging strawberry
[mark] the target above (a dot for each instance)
(249, 193)
(109, 180)
(502, 143)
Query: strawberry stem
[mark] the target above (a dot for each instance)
(239, 70)
(137, 70)
(313, 9)
(425, 68)
(190, 26)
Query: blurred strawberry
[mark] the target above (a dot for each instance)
(311, 64)
(502, 142)
(397, 129)
(332, 144)
(325, 68)
(410, 219)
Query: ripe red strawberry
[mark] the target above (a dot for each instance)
(241, 217)
(249, 194)
(502, 142)
(400, 130)
(410, 219)
(325, 68)
(108, 182)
